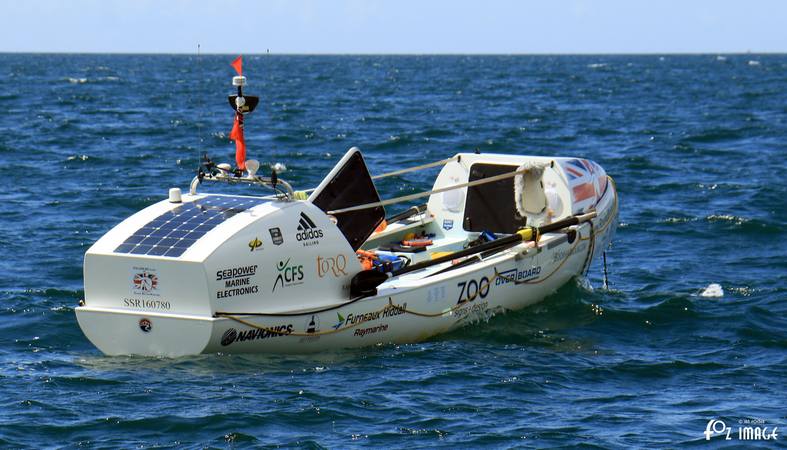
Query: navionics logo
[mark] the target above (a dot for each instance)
(308, 232)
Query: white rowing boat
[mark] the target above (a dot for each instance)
(286, 273)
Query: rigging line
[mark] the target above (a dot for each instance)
(413, 169)
(406, 198)
(199, 107)
(407, 170)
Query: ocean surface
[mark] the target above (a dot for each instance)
(696, 144)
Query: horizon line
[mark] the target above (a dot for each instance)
(700, 53)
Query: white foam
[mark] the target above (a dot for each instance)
(713, 290)
(279, 167)
(754, 63)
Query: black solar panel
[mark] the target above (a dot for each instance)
(173, 232)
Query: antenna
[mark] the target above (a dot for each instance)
(199, 108)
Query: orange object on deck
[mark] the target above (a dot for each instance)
(366, 258)
(380, 228)
(418, 243)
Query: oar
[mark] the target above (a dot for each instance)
(366, 282)
(409, 212)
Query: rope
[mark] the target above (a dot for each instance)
(427, 193)
(408, 170)
(413, 169)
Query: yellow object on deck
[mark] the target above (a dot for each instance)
(436, 255)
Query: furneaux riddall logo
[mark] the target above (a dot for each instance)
(289, 275)
(340, 322)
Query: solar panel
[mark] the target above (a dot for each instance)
(173, 232)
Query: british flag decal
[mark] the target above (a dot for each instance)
(587, 182)
(144, 282)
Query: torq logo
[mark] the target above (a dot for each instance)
(334, 265)
(307, 229)
(288, 275)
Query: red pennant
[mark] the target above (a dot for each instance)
(238, 65)
(240, 143)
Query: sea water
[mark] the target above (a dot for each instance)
(696, 145)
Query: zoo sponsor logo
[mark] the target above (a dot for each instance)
(233, 335)
(472, 289)
(334, 265)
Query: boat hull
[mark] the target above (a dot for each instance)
(409, 309)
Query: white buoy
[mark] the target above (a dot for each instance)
(174, 195)
(713, 290)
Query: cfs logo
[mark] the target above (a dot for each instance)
(308, 231)
(289, 275)
(255, 244)
(333, 265)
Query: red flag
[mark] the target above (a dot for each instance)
(238, 65)
(240, 144)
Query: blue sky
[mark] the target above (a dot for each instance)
(388, 26)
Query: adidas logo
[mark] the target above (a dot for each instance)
(307, 229)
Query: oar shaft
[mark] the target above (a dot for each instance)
(522, 235)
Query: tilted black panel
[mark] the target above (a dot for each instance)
(490, 207)
(352, 186)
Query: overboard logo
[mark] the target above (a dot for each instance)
(144, 282)
(233, 335)
(515, 275)
(308, 232)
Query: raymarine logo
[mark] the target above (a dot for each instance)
(308, 232)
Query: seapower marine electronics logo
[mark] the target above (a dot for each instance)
(308, 232)
(747, 430)
(144, 281)
(233, 335)
(289, 275)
